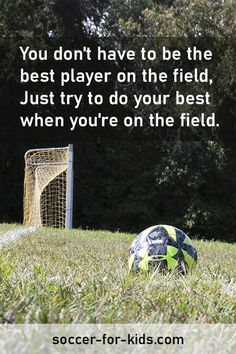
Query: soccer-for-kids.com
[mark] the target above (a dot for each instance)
(118, 176)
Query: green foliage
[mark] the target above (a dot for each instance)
(189, 179)
(144, 180)
(179, 18)
(122, 178)
(194, 180)
(19, 22)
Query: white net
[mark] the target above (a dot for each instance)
(45, 187)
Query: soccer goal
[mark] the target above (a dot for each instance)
(48, 187)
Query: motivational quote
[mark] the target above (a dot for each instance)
(69, 87)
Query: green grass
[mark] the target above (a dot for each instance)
(58, 276)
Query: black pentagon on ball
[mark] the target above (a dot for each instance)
(163, 247)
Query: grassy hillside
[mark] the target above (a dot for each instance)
(81, 276)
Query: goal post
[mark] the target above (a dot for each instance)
(69, 189)
(48, 187)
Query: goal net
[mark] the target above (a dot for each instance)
(48, 187)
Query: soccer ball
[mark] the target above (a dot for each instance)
(162, 247)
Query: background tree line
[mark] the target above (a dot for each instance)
(183, 177)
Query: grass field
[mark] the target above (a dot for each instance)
(58, 276)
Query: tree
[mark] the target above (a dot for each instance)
(178, 177)
(171, 18)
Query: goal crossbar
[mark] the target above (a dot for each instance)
(47, 163)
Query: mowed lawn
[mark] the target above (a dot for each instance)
(58, 276)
